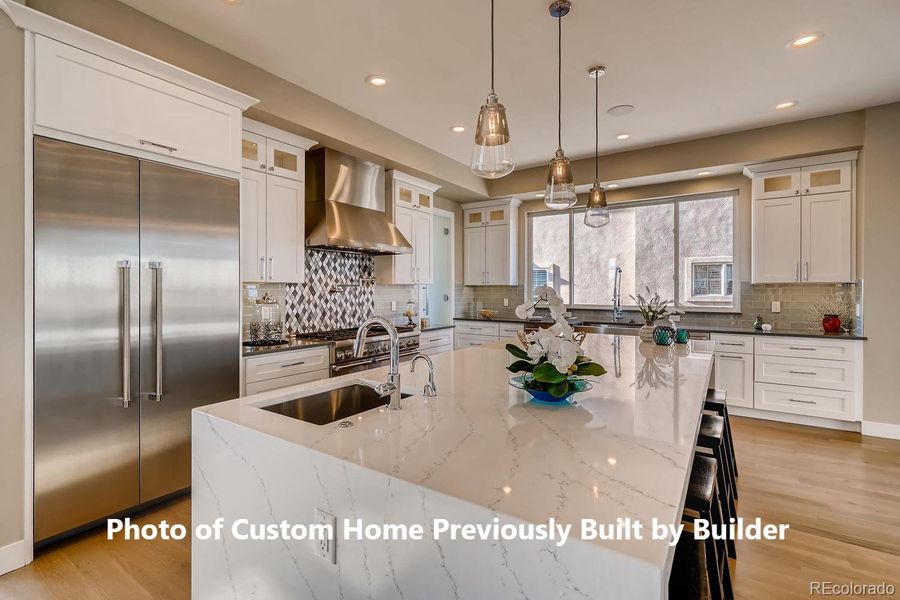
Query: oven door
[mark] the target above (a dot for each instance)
(364, 364)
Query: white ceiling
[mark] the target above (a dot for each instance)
(693, 68)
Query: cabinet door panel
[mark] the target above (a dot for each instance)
(776, 240)
(422, 247)
(827, 238)
(285, 160)
(474, 217)
(474, 245)
(253, 226)
(285, 241)
(496, 263)
(253, 151)
(776, 184)
(734, 374)
(824, 179)
(404, 263)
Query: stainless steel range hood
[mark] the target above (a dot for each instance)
(345, 206)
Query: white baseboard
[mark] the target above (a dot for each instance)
(13, 556)
(882, 430)
(769, 415)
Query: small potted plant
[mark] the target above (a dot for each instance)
(551, 358)
(653, 308)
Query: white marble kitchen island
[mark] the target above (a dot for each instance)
(477, 451)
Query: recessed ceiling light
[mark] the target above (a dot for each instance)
(620, 110)
(704, 173)
(622, 136)
(806, 40)
(612, 186)
(376, 80)
(611, 460)
(787, 104)
(457, 129)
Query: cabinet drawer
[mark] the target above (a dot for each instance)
(807, 372)
(831, 404)
(436, 350)
(284, 364)
(467, 340)
(734, 375)
(735, 344)
(806, 348)
(510, 330)
(83, 94)
(431, 339)
(280, 382)
(478, 328)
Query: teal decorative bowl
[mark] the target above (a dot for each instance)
(545, 397)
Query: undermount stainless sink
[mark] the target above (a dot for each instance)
(610, 328)
(327, 406)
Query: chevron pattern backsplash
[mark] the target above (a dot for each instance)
(311, 306)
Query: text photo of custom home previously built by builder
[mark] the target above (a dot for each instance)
(483, 299)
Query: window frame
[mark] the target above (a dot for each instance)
(721, 262)
(578, 212)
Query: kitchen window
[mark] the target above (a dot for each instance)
(683, 248)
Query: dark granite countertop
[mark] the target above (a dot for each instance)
(547, 321)
(293, 344)
(804, 333)
(437, 326)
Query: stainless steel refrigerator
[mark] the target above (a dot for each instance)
(137, 320)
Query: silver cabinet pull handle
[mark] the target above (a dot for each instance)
(806, 270)
(271, 267)
(731, 344)
(435, 339)
(802, 372)
(156, 267)
(731, 356)
(125, 268)
(163, 146)
(797, 272)
(294, 364)
(801, 401)
(262, 267)
(801, 348)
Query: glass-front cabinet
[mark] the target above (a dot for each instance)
(274, 157)
(493, 215)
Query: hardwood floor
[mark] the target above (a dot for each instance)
(839, 491)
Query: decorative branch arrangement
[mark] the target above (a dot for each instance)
(652, 309)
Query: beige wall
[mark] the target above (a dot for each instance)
(813, 136)
(12, 294)
(880, 174)
(282, 103)
(456, 209)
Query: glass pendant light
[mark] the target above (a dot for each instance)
(560, 192)
(492, 155)
(596, 214)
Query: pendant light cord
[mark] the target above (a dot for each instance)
(559, 83)
(596, 126)
(492, 46)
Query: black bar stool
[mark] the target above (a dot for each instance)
(703, 499)
(715, 402)
(712, 438)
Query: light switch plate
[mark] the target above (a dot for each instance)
(776, 306)
(393, 305)
(506, 302)
(858, 310)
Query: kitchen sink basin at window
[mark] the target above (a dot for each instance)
(683, 248)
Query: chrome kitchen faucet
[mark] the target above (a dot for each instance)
(430, 388)
(392, 386)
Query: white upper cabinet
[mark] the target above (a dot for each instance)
(825, 179)
(273, 236)
(825, 238)
(489, 243)
(84, 98)
(410, 205)
(804, 220)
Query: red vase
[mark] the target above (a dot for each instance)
(831, 323)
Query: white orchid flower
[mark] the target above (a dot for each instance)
(564, 356)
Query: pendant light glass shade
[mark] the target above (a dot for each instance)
(560, 193)
(596, 214)
(492, 155)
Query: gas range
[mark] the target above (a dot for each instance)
(376, 351)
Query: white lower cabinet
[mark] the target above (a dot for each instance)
(813, 402)
(281, 369)
(436, 342)
(734, 374)
(478, 333)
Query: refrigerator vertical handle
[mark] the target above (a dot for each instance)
(157, 322)
(125, 269)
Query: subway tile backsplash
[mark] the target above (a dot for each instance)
(339, 292)
(796, 302)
